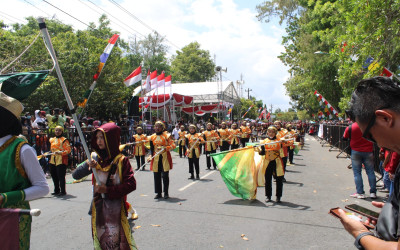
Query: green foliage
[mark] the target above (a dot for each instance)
(192, 64)
(78, 55)
(347, 32)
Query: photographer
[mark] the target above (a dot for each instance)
(375, 106)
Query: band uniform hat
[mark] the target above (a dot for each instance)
(11, 104)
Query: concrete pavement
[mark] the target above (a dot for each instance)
(204, 215)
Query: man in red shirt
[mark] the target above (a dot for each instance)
(361, 153)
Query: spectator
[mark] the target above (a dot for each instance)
(375, 106)
(361, 153)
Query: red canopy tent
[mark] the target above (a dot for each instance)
(202, 110)
(159, 101)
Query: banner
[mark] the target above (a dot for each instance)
(21, 85)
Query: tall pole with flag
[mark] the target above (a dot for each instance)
(46, 36)
(103, 60)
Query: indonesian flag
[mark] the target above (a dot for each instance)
(146, 86)
(262, 114)
(153, 79)
(134, 77)
(168, 81)
(161, 80)
(268, 116)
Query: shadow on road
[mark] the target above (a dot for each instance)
(292, 171)
(290, 205)
(294, 183)
(253, 203)
(65, 197)
(172, 200)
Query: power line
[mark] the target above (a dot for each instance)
(135, 31)
(9, 16)
(37, 8)
(140, 21)
(68, 14)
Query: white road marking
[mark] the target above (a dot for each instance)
(190, 184)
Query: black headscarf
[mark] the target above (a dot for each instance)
(9, 125)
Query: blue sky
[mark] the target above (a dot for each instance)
(229, 29)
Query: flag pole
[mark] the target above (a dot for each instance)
(164, 99)
(46, 36)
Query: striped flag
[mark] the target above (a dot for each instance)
(247, 111)
(105, 55)
(161, 80)
(134, 77)
(146, 86)
(153, 79)
(103, 60)
(168, 81)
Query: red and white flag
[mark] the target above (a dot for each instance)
(168, 81)
(153, 79)
(161, 80)
(134, 77)
(146, 86)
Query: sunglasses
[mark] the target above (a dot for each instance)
(367, 135)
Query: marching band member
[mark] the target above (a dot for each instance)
(273, 164)
(182, 141)
(161, 162)
(235, 134)
(246, 133)
(284, 149)
(140, 149)
(192, 143)
(211, 138)
(292, 135)
(61, 148)
(224, 134)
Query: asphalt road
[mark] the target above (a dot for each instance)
(204, 215)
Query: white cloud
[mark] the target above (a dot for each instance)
(240, 42)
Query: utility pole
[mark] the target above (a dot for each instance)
(248, 92)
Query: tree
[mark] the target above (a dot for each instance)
(154, 51)
(192, 64)
(347, 32)
(78, 55)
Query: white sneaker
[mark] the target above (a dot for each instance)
(358, 196)
(372, 196)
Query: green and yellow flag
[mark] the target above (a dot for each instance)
(238, 171)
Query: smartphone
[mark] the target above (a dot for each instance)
(363, 211)
(335, 213)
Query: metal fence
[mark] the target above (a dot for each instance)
(333, 138)
(39, 140)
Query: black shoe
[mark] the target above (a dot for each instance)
(208, 168)
(158, 196)
(62, 194)
(283, 180)
(137, 169)
(278, 200)
(191, 177)
(55, 193)
(197, 177)
(143, 168)
(215, 168)
(166, 196)
(268, 199)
